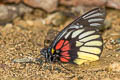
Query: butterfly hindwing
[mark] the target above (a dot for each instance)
(64, 46)
(81, 45)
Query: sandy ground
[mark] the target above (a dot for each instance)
(25, 38)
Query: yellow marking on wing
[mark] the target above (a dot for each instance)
(86, 34)
(78, 43)
(52, 51)
(90, 38)
(80, 61)
(94, 43)
(77, 32)
(91, 49)
(87, 56)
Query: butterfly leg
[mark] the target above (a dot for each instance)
(55, 58)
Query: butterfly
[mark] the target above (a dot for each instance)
(80, 41)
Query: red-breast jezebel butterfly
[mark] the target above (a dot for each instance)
(80, 41)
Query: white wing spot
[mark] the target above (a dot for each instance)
(81, 26)
(77, 24)
(74, 26)
(89, 13)
(95, 24)
(95, 20)
(93, 15)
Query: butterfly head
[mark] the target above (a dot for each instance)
(45, 52)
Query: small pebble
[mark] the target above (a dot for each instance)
(47, 5)
(55, 19)
(8, 25)
(29, 22)
(115, 66)
(106, 79)
(107, 24)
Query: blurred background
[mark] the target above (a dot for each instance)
(26, 24)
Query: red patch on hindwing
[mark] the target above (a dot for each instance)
(66, 42)
(65, 53)
(59, 44)
(66, 47)
(63, 46)
(65, 57)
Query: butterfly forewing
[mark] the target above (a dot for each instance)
(80, 45)
(92, 19)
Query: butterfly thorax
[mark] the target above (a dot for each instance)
(50, 54)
